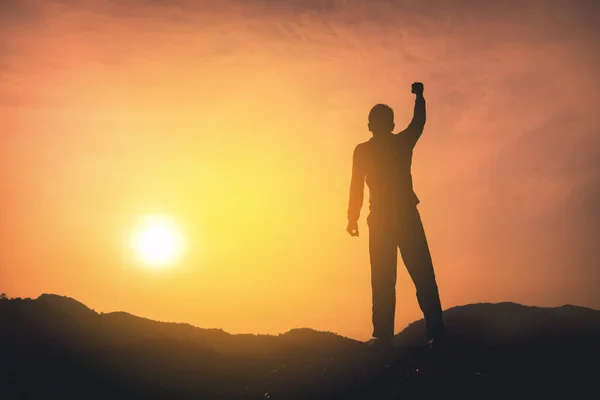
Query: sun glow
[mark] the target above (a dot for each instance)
(158, 241)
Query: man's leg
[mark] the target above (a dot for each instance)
(383, 253)
(417, 259)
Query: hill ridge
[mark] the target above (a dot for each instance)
(56, 300)
(57, 345)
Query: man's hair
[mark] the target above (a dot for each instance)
(381, 114)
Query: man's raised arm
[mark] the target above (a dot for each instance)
(415, 128)
(357, 189)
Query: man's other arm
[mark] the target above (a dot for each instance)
(357, 188)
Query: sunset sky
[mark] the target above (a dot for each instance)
(237, 119)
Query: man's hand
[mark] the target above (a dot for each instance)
(352, 228)
(417, 88)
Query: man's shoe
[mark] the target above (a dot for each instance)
(436, 342)
(437, 348)
(376, 345)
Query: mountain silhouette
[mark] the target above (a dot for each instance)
(56, 347)
(510, 323)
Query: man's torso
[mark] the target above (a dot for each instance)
(387, 161)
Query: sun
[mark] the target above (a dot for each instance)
(158, 241)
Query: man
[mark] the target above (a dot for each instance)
(394, 221)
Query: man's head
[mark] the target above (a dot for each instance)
(381, 119)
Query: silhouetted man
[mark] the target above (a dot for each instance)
(394, 221)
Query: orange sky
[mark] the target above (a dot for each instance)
(239, 121)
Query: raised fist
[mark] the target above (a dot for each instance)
(417, 88)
